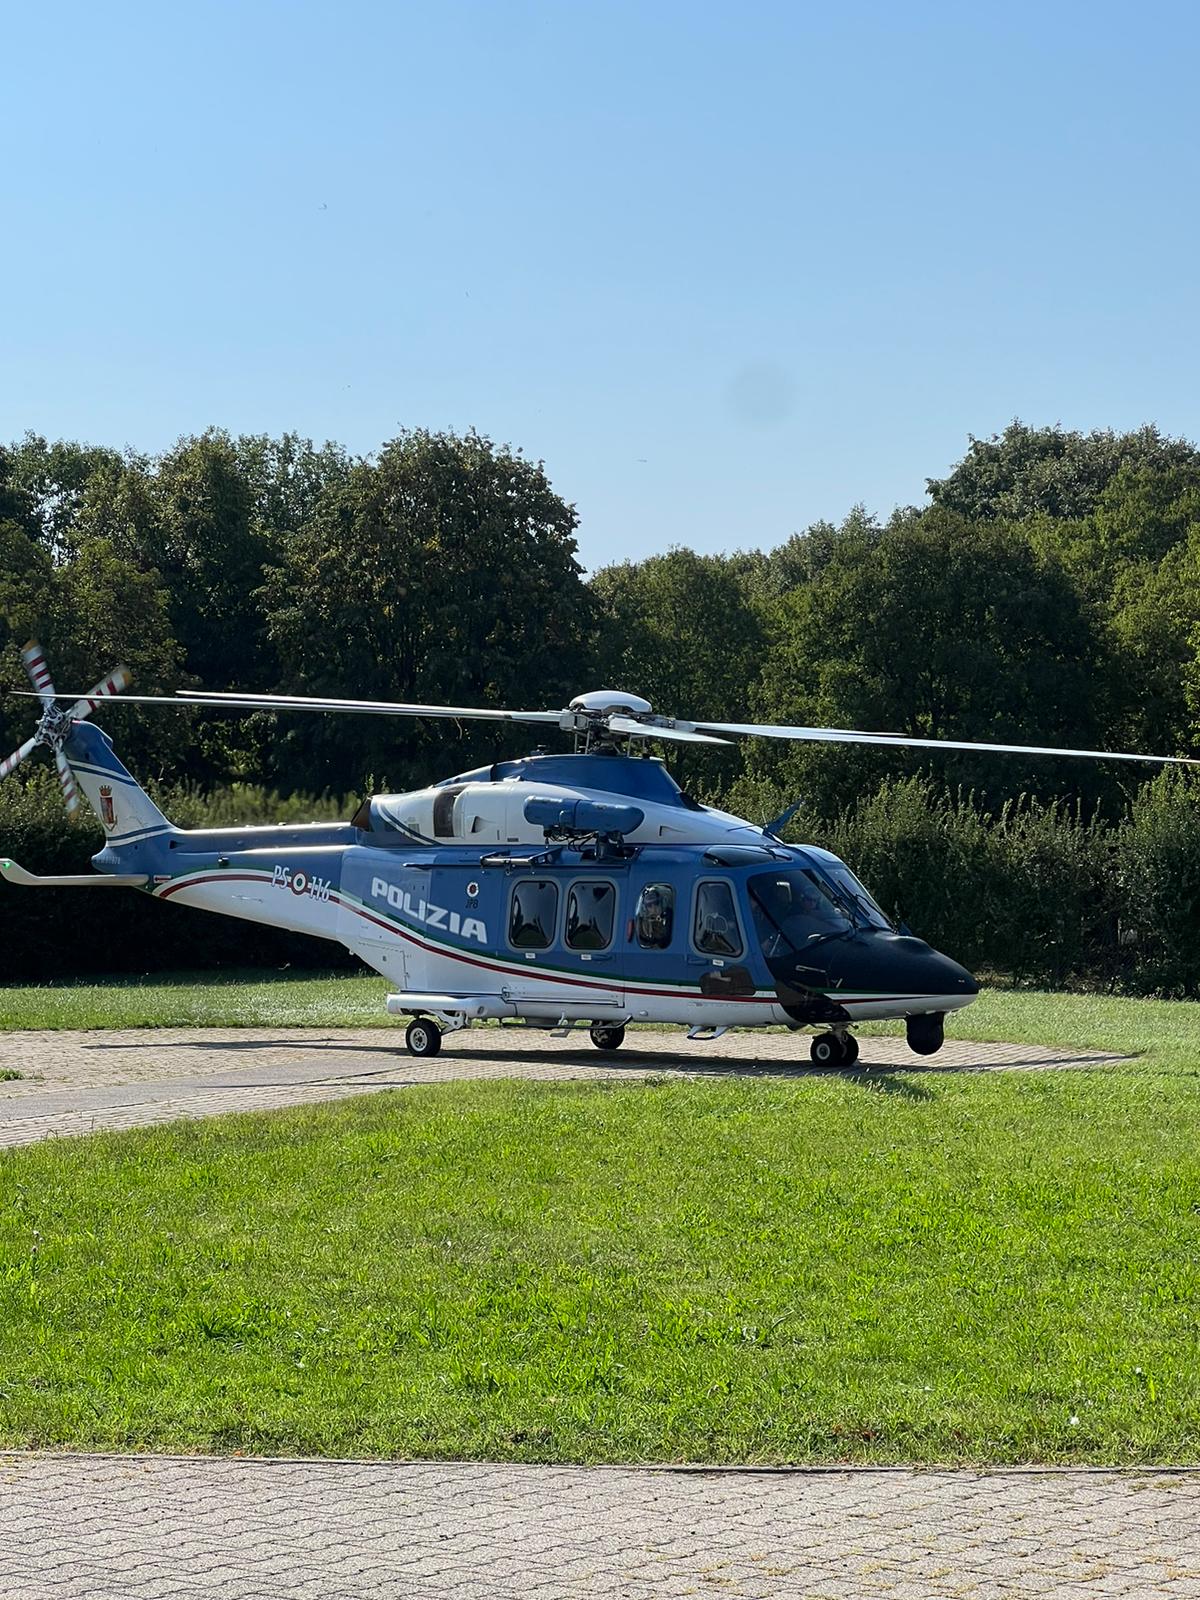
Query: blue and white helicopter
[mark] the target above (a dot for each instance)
(552, 889)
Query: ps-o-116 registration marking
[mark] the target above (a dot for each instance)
(301, 883)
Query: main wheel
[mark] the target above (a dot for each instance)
(605, 1037)
(423, 1038)
(826, 1050)
(849, 1050)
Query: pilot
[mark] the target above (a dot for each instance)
(654, 916)
(793, 904)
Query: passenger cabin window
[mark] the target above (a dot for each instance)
(591, 911)
(654, 918)
(534, 914)
(716, 930)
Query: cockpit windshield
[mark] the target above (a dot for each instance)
(801, 904)
(865, 907)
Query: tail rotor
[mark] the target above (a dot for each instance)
(55, 725)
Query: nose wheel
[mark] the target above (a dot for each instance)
(834, 1050)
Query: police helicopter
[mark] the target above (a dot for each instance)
(551, 890)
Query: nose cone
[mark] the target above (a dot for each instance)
(899, 966)
(878, 969)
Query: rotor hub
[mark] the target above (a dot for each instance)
(53, 728)
(611, 702)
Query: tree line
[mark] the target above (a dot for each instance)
(1048, 593)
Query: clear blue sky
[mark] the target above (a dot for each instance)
(726, 269)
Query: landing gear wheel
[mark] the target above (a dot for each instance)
(826, 1050)
(927, 1033)
(605, 1037)
(849, 1050)
(423, 1038)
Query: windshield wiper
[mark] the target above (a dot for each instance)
(849, 903)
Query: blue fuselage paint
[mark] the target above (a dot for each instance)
(451, 910)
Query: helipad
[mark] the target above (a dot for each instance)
(79, 1082)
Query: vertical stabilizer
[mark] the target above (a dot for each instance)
(118, 799)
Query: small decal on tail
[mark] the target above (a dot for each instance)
(108, 807)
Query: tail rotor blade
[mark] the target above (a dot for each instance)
(120, 678)
(66, 779)
(15, 760)
(39, 672)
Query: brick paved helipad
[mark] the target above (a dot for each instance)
(78, 1082)
(89, 1528)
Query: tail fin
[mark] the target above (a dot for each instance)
(118, 799)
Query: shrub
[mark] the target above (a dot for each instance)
(1159, 874)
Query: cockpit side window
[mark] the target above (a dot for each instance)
(591, 912)
(533, 914)
(654, 919)
(715, 929)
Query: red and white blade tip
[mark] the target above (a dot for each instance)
(116, 681)
(35, 666)
(11, 762)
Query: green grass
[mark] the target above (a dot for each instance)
(199, 1000)
(851, 1268)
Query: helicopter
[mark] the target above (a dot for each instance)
(548, 890)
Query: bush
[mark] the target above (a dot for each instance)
(1159, 874)
(1034, 893)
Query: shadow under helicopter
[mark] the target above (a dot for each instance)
(884, 1075)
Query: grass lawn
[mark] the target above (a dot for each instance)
(996, 1267)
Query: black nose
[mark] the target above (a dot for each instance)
(894, 965)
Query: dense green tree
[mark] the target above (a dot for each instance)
(681, 630)
(287, 478)
(1025, 471)
(16, 502)
(90, 614)
(806, 555)
(27, 606)
(55, 477)
(934, 628)
(205, 543)
(442, 572)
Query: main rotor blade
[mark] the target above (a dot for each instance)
(301, 702)
(13, 761)
(113, 684)
(39, 672)
(771, 730)
(66, 780)
(633, 729)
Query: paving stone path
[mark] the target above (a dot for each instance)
(90, 1528)
(79, 1082)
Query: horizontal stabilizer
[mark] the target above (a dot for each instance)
(12, 873)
